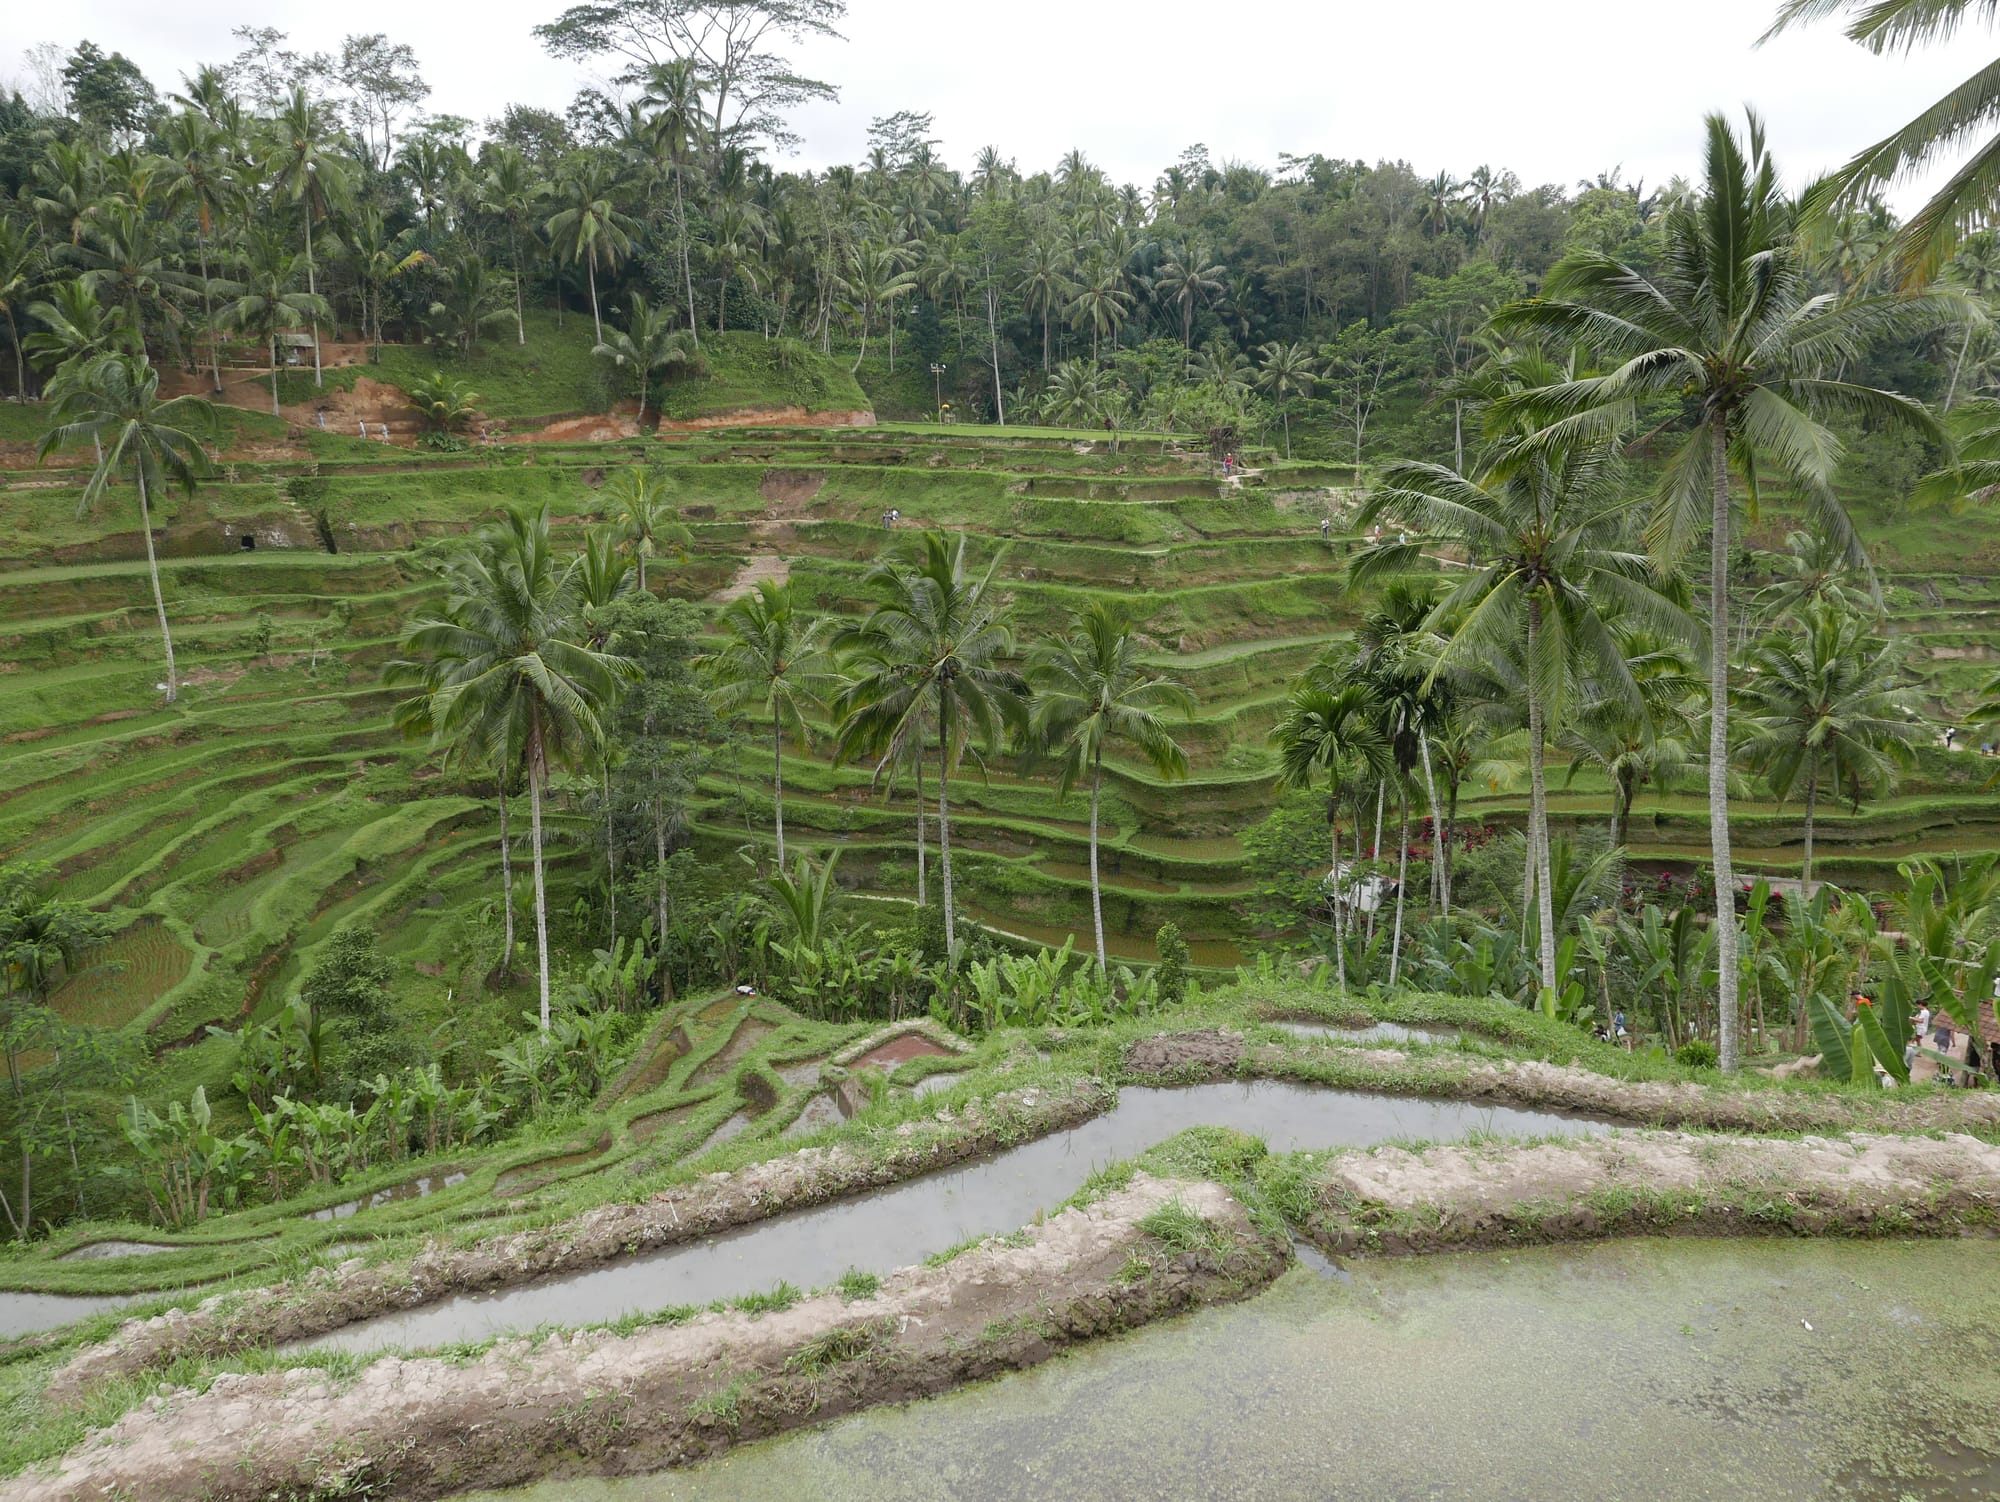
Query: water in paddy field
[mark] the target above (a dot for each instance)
(1636, 1371)
(898, 1226)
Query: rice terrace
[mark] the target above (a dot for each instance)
(706, 792)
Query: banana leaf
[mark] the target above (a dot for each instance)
(1832, 1037)
(1888, 1052)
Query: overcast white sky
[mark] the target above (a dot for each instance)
(1554, 89)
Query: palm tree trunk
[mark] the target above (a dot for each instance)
(159, 600)
(506, 886)
(1096, 892)
(611, 855)
(993, 341)
(1957, 369)
(660, 873)
(923, 899)
(1718, 755)
(1045, 337)
(590, 265)
(274, 376)
(944, 823)
(312, 286)
(1812, 797)
(687, 265)
(207, 316)
(535, 847)
(520, 306)
(1375, 850)
(1402, 879)
(1538, 810)
(1438, 869)
(20, 360)
(778, 785)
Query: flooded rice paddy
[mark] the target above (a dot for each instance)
(903, 1224)
(1636, 1371)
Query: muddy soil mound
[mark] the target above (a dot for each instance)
(791, 490)
(1203, 1054)
(419, 1428)
(1442, 1198)
(328, 1299)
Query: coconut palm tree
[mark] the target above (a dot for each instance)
(673, 92)
(1731, 328)
(1823, 705)
(1643, 744)
(647, 344)
(588, 227)
(515, 673)
(469, 300)
(1332, 729)
(1288, 371)
(1543, 523)
(511, 191)
(1045, 282)
(1102, 303)
(270, 300)
(636, 499)
(308, 170)
(932, 644)
(114, 400)
(203, 182)
(1186, 279)
(1964, 202)
(873, 280)
(1091, 691)
(20, 260)
(774, 658)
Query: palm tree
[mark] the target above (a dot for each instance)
(198, 148)
(1289, 370)
(115, 402)
(588, 227)
(1332, 728)
(1643, 744)
(647, 344)
(637, 500)
(932, 645)
(469, 299)
(1185, 279)
(515, 673)
(1542, 522)
(511, 192)
(1103, 303)
(446, 403)
(307, 171)
(874, 279)
(773, 658)
(673, 91)
(1823, 704)
(19, 261)
(270, 300)
(1090, 691)
(1731, 328)
(1965, 201)
(1045, 282)
(127, 250)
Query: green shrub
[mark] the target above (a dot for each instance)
(1171, 976)
(1697, 1053)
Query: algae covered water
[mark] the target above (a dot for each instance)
(895, 1227)
(1639, 1371)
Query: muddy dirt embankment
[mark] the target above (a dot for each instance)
(1463, 1196)
(328, 1299)
(596, 1402)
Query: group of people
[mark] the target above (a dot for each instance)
(890, 517)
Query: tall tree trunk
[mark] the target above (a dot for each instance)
(1538, 807)
(1402, 878)
(1718, 756)
(1375, 850)
(1812, 798)
(1096, 892)
(20, 360)
(1438, 867)
(274, 378)
(159, 600)
(1045, 338)
(923, 897)
(611, 855)
(207, 316)
(944, 826)
(506, 887)
(993, 342)
(1340, 890)
(778, 784)
(312, 286)
(520, 303)
(687, 265)
(1957, 368)
(660, 877)
(590, 266)
(535, 771)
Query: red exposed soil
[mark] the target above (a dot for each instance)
(770, 417)
(900, 1051)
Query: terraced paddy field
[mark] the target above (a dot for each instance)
(228, 835)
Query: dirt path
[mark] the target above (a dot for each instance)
(761, 567)
(424, 1427)
(1446, 1198)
